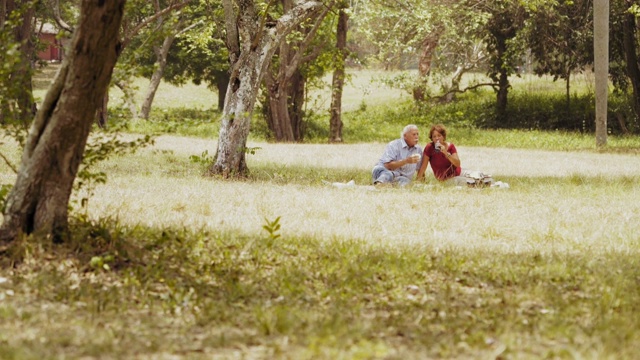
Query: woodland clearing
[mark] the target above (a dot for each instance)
(551, 193)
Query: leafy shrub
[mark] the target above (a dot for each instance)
(547, 112)
(382, 122)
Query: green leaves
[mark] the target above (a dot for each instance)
(272, 228)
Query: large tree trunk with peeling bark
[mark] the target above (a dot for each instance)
(252, 43)
(38, 202)
(236, 120)
(337, 85)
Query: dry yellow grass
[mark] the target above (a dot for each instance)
(548, 218)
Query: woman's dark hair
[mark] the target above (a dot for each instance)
(439, 128)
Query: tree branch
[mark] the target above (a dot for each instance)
(145, 22)
(233, 38)
(189, 28)
(458, 91)
(307, 40)
(263, 21)
(8, 163)
(56, 15)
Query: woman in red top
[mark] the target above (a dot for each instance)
(442, 156)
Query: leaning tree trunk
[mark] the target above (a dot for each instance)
(337, 85)
(39, 200)
(236, 117)
(161, 63)
(156, 78)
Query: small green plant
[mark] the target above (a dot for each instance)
(101, 262)
(203, 160)
(272, 227)
(251, 150)
(4, 192)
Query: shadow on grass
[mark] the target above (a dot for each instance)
(130, 291)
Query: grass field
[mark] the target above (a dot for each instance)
(168, 264)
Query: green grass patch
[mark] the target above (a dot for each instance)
(131, 292)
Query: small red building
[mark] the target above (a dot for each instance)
(53, 47)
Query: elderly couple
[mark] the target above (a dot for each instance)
(402, 157)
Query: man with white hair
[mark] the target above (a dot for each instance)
(400, 160)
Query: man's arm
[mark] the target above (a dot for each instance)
(392, 165)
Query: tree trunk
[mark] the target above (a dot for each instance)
(24, 73)
(568, 122)
(236, 120)
(3, 12)
(631, 57)
(39, 200)
(282, 91)
(429, 45)
(249, 62)
(601, 65)
(278, 111)
(337, 85)
(222, 83)
(277, 91)
(102, 114)
(450, 92)
(297, 97)
(283, 110)
(503, 81)
(19, 106)
(156, 78)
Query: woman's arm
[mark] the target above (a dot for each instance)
(423, 168)
(453, 158)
